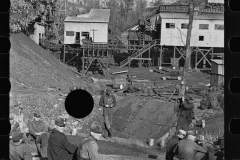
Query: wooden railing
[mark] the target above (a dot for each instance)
(138, 53)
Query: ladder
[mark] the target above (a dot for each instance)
(138, 53)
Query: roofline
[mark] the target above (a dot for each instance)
(84, 22)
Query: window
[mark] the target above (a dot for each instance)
(219, 27)
(203, 26)
(69, 33)
(201, 38)
(184, 26)
(77, 35)
(170, 25)
(85, 34)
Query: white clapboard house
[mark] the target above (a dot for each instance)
(93, 25)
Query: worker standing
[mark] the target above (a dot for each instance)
(185, 113)
(88, 149)
(108, 102)
(59, 148)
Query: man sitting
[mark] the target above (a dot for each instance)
(88, 149)
(18, 149)
(188, 147)
(171, 145)
(38, 133)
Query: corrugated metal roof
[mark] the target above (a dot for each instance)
(186, 16)
(218, 61)
(95, 15)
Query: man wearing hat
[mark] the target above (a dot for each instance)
(18, 149)
(188, 147)
(38, 131)
(88, 149)
(108, 102)
(59, 148)
(185, 113)
(171, 145)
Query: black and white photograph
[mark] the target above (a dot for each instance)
(116, 80)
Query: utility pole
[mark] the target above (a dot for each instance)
(93, 33)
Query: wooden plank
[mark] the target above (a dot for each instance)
(149, 59)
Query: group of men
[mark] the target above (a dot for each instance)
(51, 144)
(185, 145)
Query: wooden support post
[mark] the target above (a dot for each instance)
(149, 57)
(107, 64)
(160, 62)
(128, 62)
(64, 53)
(83, 70)
(174, 56)
(196, 54)
(212, 53)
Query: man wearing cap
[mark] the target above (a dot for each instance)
(59, 148)
(18, 149)
(38, 133)
(185, 113)
(188, 147)
(171, 146)
(108, 102)
(88, 149)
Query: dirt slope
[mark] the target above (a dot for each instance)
(34, 67)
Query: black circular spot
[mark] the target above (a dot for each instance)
(5, 86)
(79, 103)
(7, 127)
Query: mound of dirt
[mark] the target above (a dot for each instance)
(33, 67)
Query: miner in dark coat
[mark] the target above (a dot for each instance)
(59, 148)
(185, 113)
(171, 146)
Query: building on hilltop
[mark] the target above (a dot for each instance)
(93, 25)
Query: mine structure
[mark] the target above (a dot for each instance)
(157, 39)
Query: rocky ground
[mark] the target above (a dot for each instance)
(41, 83)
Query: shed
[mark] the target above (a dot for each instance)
(93, 25)
(217, 72)
(39, 31)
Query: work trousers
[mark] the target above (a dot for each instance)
(108, 116)
(182, 123)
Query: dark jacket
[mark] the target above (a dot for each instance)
(59, 148)
(187, 149)
(102, 100)
(171, 147)
(19, 151)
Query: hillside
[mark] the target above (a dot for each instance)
(34, 67)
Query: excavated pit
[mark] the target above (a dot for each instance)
(143, 118)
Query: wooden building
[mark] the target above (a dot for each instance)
(217, 72)
(38, 34)
(93, 26)
(207, 30)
